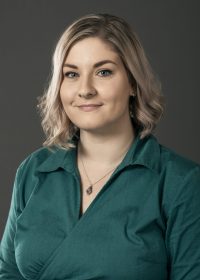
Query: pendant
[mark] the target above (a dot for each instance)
(89, 190)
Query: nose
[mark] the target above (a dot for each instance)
(87, 95)
(86, 89)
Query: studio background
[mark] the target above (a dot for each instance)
(29, 30)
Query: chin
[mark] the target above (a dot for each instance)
(90, 124)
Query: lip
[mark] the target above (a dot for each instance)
(89, 107)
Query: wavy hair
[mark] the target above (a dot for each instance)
(146, 107)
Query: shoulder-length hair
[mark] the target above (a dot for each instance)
(146, 106)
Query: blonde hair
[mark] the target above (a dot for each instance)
(146, 106)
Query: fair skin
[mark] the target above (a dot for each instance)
(106, 131)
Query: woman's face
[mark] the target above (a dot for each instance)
(95, 89)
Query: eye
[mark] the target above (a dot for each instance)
(70, 75)
(105, 72)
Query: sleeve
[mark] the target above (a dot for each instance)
(8, 266)
(183, 229)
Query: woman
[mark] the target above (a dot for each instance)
(102, 199)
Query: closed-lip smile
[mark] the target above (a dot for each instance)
(89, 107)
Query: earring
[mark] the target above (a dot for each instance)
(131, 113)
(131, 110)
(133, 94)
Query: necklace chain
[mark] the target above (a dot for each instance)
(89, 189)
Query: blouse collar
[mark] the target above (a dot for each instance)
(145, 152)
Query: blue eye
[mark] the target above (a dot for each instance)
(105, 72)
(70, 74)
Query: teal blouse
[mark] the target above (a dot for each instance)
(144, 224)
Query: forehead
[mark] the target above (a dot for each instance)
(92, 48)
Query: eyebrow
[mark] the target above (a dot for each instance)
(97, 64)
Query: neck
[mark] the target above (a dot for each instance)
(106, 148)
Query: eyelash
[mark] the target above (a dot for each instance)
(67, 74)
(106, 70)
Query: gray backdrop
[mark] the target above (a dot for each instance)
(169, 32)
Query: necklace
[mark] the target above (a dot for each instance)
(89, 189)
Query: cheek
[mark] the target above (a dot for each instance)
(65, 95)
(62, 92)
(119, 96)
(119, 89)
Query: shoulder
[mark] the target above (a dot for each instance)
(36, 158)
(28, 174)
(174, 163)
(164, 160)
(179, 178)
(42, 160)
